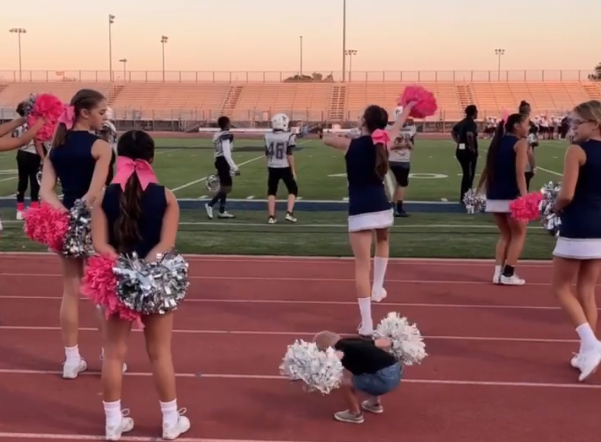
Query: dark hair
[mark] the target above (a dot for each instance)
(137, 145)
(86, 99)
(375, 118)
(471, 111)
(524, 107)
(21, 109)
(503, 128)
(222, 122)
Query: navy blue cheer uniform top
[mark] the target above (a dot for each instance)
(581, 219)
(74, 165)
(504, 182)
(366, 192)
(153, 205)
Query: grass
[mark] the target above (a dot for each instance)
(324, 234)
(182, 164)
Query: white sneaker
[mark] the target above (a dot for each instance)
(496, 279)
(575, 361)
(19, 216)
(588, 362)
(171, 432)
(225, 215)
(125, 426)
(365, 331)
(290, 218)
(379, 294)
(72, 370)
(511, 280)
(102, 360)
(272, 220)
(209, 211)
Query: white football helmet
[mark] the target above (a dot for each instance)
(280, 122)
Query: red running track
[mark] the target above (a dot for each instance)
(498, 365)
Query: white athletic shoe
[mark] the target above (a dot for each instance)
(378, 294)
(588, 362)
(575, 361)
(71, 371)
(19, 216)
(209, 211)
(496, 279)
(171, 432)
(272, 220)
(511, 280)
(126, 425)
(290, 218)
(225, 215)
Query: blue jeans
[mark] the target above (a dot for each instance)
(380, 382)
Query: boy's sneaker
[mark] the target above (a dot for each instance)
(372, 406)
(348, 417)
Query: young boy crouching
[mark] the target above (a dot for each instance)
(373, 372)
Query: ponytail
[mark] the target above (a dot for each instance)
(60, 135)
(492, 152)
(381, 160)
(126, 227)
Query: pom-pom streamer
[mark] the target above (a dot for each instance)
(45, 106)
(152, 288)
(550, 220)
(407, 343)
(47, 226)
(320, 371)
(212, 183)
(526, 208)
(425, 105)
(78, 238)
(474, 202)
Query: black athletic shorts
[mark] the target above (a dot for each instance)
(401, 173)
(223, 172)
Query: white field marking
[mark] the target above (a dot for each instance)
(289, 259)
(300, 334)
(258, 377)
(315, 302)
(166, 150)
(250, 197)
(8, 179)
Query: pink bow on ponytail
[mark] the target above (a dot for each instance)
(381, 136)
(126, 167)
(68, 117)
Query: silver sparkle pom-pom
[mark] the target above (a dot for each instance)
(28, 105)
(474, 202)
(550, 220)
(154, 287)
(408, 345)
(78, 239)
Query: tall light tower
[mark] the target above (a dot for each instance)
(351, 53)
(111, 21)
(19, 32)
(164, 40)
(499, 53)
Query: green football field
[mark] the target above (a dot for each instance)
(183, 165)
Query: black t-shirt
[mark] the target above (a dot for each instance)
(462, 128)
(361, 356)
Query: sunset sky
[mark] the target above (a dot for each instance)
(263, 35)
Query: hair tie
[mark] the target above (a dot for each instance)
(381, 136)
(68, 117)
(126, 167)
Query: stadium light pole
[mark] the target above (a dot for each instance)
(343, 41)
(19, 32)
(500, 53)
(111, 21)
(164, 40)
(351, 53)
(124, 61)
(301, 57)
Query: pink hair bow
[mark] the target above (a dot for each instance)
(126, 167)
(381, 136)
(68, 117)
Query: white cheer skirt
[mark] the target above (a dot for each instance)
(497, 206)
(583, 249)
(371, 221)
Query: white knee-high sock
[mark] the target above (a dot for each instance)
(367, 323)
(377, 291)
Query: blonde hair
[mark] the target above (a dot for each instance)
(325, 339)
(589, 111)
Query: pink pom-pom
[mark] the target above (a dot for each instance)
(46, 226)
(50, 108)
(526, 208)
(99, 284)
(425, 105)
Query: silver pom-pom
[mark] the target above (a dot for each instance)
(152, 288)
(474, 202)
(320, 371)
(407, 342)
(78, 240)
(28, 105)
(550, 220)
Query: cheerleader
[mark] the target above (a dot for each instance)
(80, 160)
(29, 159)
(505, 181)
(369, 209)
(138, 215)
(577, 254)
